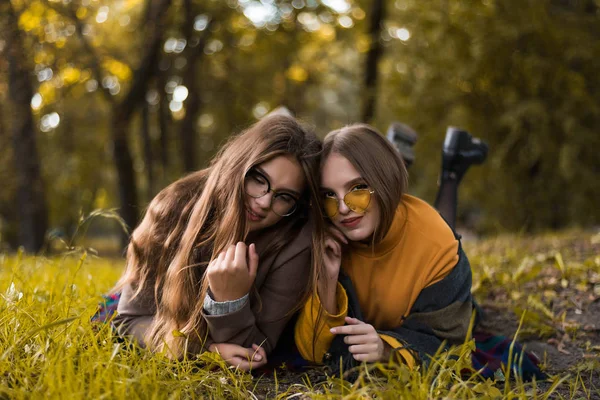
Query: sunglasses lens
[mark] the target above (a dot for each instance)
(358, 200)
(331, 206)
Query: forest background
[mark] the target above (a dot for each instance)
(103, 103)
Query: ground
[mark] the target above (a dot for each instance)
(550, 282)
(556, 279)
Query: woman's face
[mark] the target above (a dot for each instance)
(338, 177)
(283, 181)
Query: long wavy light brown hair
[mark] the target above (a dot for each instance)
(200, 215)
(379, 164)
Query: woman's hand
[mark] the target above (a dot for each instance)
(332, 260)
(365, 343)
(240, 357)
(336, 234)
(230, 276)
(333, 252)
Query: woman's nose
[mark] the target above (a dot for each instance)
(264, 202)
(343, 207)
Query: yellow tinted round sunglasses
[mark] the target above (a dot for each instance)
(357, 200)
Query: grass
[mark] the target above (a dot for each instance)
(49, 348)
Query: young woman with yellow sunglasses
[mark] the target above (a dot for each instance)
(397, 283)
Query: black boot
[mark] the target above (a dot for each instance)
(460, 151)
(403, 137)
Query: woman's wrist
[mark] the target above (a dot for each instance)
(327, 293)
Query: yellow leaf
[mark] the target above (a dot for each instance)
(29, 21)
(363, 44)
(70, 75)
(358, 13)
(297, 73)
(82, 12)
(118, 69)
(48, 92)
(327, 33)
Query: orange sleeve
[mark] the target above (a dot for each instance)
(311, 332)
(407, 356)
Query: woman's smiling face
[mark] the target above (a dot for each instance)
(284, 175)
(338, 177)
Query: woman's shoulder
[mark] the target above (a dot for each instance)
(424, 220)
(297, 244)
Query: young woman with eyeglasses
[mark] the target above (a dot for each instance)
(397, 282)
(223, 256)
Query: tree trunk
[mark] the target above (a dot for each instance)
(372, 61)
(163, 123)
(125, 173)
(148, 159)
(124, 110)
(188, 132)
(32, 209)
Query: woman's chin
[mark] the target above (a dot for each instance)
(356, 235)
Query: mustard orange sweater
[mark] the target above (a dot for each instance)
(418, 251)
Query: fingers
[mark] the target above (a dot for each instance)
(240, 363)
(217, 261)
(358, 339)
(245, 364)
(353, 321)
(363, 348)
(361, 329)
(240, 254)
(337, 234)
(230, 254)
(253, 260)
(370, 357)
(235, 350)
(220, 259)
(365, 343)
(260, 354)
(241, 357)
(334, 246)
(211, 266)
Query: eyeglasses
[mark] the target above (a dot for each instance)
(257, 185)
(357, 199)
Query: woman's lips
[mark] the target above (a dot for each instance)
(252, 216)
(351, 222)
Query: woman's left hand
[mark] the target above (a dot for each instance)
(231, 275)
(240, 357)
(365, 343)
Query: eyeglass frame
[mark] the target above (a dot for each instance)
(269, 189)
(337, 200)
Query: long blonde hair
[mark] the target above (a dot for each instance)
(200, 215)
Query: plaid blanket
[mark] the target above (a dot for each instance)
(107, 308)
(493, 352)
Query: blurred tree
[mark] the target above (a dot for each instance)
(372, 59)
(32, 211)
(193, 54)
(123, 110)
(519, 74)
(120, 119)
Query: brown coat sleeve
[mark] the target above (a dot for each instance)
(261, 320)
(136, 315)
